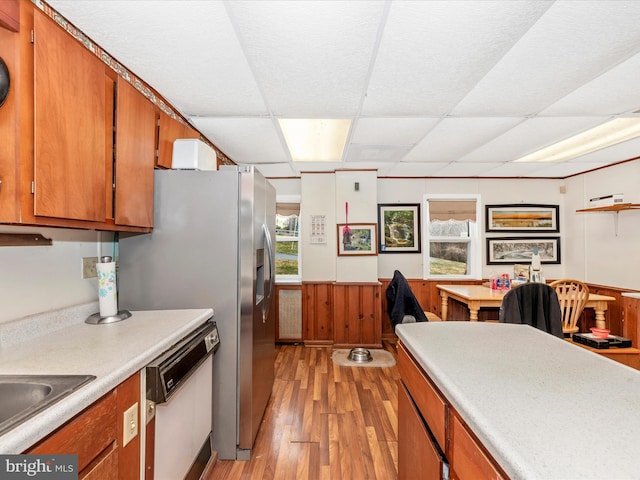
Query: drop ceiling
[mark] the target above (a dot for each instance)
(433, 88)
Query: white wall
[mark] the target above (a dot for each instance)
(318, 198)
(597, 254)
(40, 279)
(491, 191)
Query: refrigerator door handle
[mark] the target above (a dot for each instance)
(272, 273)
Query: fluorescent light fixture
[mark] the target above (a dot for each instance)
(610, 133)
(315, 140)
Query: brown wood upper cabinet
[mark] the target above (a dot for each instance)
(70, 123)
(83, 140)
(135, 157)
(170, 130)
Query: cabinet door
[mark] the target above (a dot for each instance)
(90, 435)
(9, 119)
(418, 456)
(170, 130)
(135, 157)
(69, 123)
(468, 459)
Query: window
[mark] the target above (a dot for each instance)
(452, 237)
(288, 239)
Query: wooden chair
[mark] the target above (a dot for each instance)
(573, 295)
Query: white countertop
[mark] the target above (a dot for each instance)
(111, 352)
(543, 408)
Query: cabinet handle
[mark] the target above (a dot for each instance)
(0, 185)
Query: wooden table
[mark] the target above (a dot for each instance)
(476, 297)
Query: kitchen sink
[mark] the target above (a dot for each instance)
(23, 396)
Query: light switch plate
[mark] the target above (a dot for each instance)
(130, 425)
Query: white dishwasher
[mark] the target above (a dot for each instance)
(180, 385)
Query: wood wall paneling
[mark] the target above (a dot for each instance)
(356, 315)
(631, 319)
(317, 313)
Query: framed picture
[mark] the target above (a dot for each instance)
(399, 228)
(519, 250)
(357, 239)
(522, 218)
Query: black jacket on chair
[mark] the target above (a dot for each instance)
(534, 304)
(401, 301)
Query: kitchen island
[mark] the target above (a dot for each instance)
(506, 400)
(110, 352)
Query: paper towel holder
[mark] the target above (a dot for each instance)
(96, 319)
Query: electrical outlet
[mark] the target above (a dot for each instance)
(89, 269)
(130, 424)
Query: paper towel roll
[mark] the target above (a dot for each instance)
(107, 292)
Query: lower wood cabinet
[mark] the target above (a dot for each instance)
(96, 436)
(418, 453)
(433, 441)
(92, 436)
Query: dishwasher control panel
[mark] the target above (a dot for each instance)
(170, 370)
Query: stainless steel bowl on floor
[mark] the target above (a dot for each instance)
(360, 355)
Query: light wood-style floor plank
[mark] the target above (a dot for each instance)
(323, 422)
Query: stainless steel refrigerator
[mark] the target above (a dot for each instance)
(212, 247)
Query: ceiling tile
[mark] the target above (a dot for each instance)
(453, 138)
(245, 140)
(530, 136)
(439, 87)
(415, 169)
(375, 153)
(271, 170)
(573, 41)
(610, 93)
(457, 169)
(311, 58)
(432, 53)
(391, 131)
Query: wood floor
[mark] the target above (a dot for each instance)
(323, 422)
